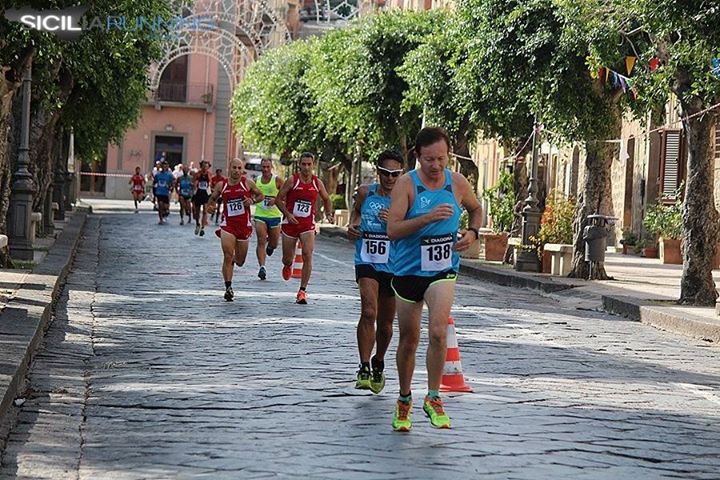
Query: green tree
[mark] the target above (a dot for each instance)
(94, 85)
(684, 37)
(528, 57)
(430, 71)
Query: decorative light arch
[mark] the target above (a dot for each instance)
(234, 32)
(333, 11)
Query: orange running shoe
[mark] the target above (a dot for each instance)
(301, 297)
(286, 272)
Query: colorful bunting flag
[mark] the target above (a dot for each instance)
(716, 67)
(629, 64)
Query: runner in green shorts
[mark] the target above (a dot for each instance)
(267, 215)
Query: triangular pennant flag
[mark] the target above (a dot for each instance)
(614, 79)
(623, 84)
(601, 74)
(629, 64)
(716, 67)
(607, 74)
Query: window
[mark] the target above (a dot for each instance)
(673, 163)
(173, 83)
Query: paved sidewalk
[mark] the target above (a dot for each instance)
(643, 289)
(26, 299)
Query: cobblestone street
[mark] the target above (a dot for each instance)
(146, 372)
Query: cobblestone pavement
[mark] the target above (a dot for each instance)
(147, 373)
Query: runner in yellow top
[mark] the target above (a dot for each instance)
(267, 215)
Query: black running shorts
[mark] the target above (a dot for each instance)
(383, 278)
(412, 288)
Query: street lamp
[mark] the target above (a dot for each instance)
(23, 187)
(527, 260)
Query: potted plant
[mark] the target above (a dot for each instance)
(556, 226)
(647, 248)
(665, 221)
(501, 200)
(629, 239)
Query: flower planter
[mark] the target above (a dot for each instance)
(627, 249)
(650, 252)
(546, 262)
(670, 251)
(495, 246)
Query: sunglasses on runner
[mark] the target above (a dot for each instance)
(389, 173)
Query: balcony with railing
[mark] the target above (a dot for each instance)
(191, 95)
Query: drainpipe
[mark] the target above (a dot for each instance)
(205, 112)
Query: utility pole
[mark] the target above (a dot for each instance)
(23, 188)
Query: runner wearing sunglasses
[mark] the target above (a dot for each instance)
(423, 221)
(368, 227)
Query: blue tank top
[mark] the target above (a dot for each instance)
(185, 185)
(373, 248)
(428, 251)
(163, 182)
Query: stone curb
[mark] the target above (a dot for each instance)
(25, 318)
(511, 278)
(652, 313)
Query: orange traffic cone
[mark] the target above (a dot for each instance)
(453, 379)
(298, 264)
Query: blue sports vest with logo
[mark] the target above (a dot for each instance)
(428, 251)
(373, 247)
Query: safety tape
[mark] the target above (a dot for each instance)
(98, 174)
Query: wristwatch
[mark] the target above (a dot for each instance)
(473, 229)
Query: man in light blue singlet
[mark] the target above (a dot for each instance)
(368, 227)
(423, 221)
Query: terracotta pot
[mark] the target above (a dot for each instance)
(546, 262)
(670, 251)
(650, 252)
(495, 246)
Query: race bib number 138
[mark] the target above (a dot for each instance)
(436, 253)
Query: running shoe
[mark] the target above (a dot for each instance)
(377, 381)
(301, 297)
(197, 229)
(363, 378)
(202, 232)
(286, 272)
(182, 222)
(137, 211)
(402, 418)
(229, 294)
(262, 274)
(269, 250)
(433, 408)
